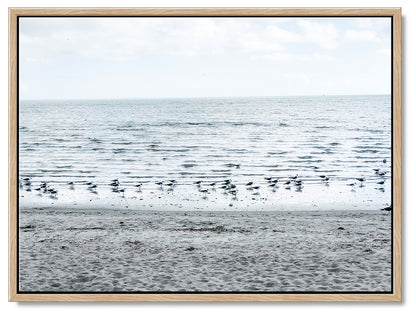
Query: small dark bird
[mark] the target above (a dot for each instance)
(88, 183)
(249, 184)
(92, 186)
(256, 187)
(70, 183)
(360, 179)
(267, 178)
(287, 182)
(212, 184)
(380, 182)
(322, 176)
(376, 170)
(384, 161)
(388, 208)
(198, 182)
(382, 173)
(159, 183)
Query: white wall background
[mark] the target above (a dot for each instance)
(406, 308)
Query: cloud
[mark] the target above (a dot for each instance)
(131, 38)
(321, 33)
(362, 35)
(298, 57)
(299, 77)
(384, 51)
(365, 23)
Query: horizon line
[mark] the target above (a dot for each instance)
(201, 97)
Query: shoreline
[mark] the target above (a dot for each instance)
(69, 208)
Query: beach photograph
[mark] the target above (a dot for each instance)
(205, 155)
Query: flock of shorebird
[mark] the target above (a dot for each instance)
(205, 187)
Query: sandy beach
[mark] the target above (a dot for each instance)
(103, 250)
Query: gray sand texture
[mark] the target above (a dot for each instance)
(99, 250)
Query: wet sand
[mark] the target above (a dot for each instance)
(98, 250)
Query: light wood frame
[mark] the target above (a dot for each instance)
(395, 13)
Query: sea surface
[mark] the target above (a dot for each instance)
(77, 148)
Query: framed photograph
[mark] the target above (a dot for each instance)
(215, 154)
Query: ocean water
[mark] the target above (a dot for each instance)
(180, 142)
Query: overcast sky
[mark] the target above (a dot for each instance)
(77, 58)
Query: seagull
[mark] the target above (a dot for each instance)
(204, 191)
(114, 183)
